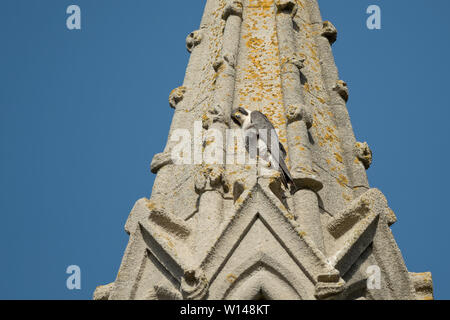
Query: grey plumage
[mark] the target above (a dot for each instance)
(257, 124)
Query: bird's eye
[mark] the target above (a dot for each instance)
(237, 116)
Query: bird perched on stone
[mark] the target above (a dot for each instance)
(259, 130)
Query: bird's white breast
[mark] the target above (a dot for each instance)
(247, 123)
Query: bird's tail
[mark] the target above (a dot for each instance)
(286, 177)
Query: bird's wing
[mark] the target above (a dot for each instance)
(260, 121)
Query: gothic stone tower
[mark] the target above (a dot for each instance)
(224, 231)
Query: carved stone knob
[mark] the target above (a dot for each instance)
(289, 6)
(214, 115)
(200, 182)
(215, 177)
(233, 7)
(210, 178)
(329, 31)
(295, 60)
(299, 62)
(176, 96)
(193, 40)
(342, 89)
(228, 58)
(364, 154)
(217, 64)
(159, 161)
(391, 217)
(194, 285)
(300, 112)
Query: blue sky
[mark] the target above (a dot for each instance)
(83, 112)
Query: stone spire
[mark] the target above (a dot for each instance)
(223, 231)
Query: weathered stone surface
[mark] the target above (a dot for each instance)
(325, 290)
(225, 231)
(103, 292)
(423, 285)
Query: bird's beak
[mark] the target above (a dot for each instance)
(233, 117)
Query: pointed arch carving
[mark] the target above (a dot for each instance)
(263, 283)
(263, 275)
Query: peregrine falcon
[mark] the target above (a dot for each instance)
(255, 124)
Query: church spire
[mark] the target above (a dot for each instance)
(222, 230)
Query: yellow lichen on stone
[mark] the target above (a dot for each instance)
(338, 157)
(231, 278)
(342, 180)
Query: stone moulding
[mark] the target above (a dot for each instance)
(358, 210)
(167, 239)
(172, 224)
(247, 212)
(172, 251)
(356, 240)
